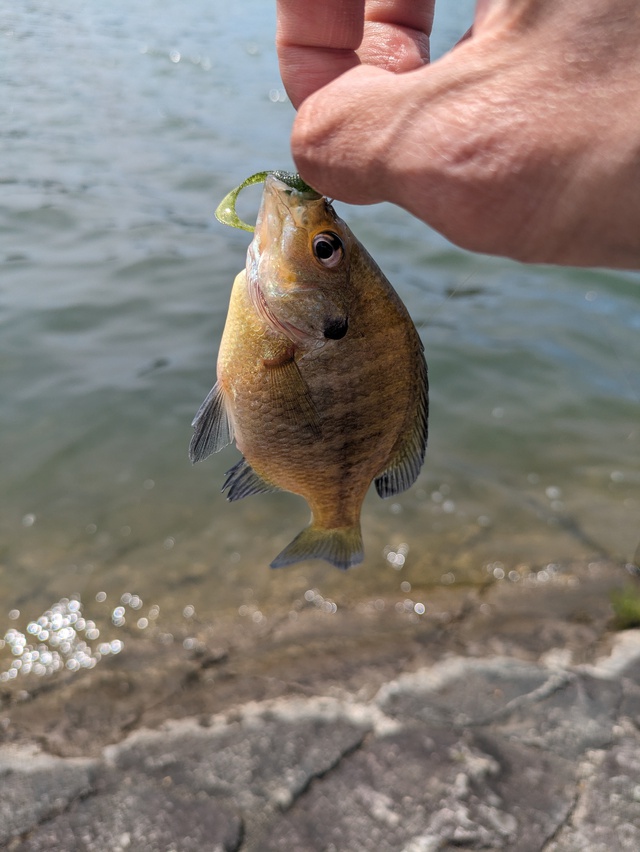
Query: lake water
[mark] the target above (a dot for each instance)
(123, 127)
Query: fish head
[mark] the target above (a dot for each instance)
(298, 265)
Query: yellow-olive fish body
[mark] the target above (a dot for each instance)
(321, 376)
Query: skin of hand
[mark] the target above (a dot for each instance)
(522, 141)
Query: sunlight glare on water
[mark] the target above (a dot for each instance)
(126, 126)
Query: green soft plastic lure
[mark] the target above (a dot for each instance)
(226, 210)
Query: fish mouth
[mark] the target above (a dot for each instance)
(293, 180)
(291, 201)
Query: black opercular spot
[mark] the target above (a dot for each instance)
(336, 330)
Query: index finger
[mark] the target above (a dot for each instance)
(318, 42)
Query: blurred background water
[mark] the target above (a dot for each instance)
(123, 125)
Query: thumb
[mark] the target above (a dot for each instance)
(345, 134)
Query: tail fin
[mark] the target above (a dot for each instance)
(341, 547)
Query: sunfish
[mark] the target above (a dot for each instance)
(321, 376)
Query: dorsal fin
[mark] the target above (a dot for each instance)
(408, 454)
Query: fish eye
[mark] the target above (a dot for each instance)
(328, 249)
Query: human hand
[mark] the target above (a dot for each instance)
(523, 141)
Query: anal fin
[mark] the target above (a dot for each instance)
(212, 429)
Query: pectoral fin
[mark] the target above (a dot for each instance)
(408, 454)
(290, 394)
(242, 481)
(212, 429)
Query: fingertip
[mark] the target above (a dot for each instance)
(306, 70)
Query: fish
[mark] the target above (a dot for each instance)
(321, 375)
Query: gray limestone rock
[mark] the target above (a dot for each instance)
(35, 786)
(429, 789)
(478, 752)
(606, 815)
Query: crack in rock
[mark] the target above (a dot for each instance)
(604, 817)
(36, 787)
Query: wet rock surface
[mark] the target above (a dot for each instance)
(513, 723)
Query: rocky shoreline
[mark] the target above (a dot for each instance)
(508, 719)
